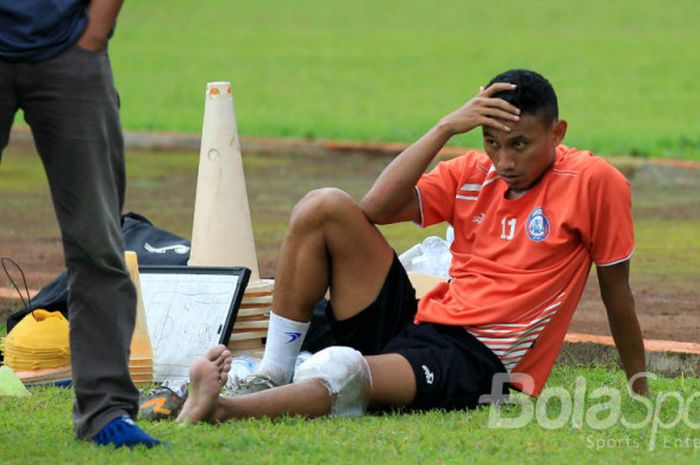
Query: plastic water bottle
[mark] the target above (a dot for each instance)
(450, 235)
(438, 257)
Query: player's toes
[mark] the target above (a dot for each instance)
(214, 354)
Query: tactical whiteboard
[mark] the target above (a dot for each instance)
(188, 310)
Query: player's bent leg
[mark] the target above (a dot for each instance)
(330, 243)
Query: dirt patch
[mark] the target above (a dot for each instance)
(162, 187)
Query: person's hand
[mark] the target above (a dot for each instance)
(92, 40)
(640, 386)
(101, 17)
(483, 110)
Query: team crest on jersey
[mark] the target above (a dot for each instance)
(537, 225)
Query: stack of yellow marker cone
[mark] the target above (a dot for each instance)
(37, 348)
(141, 353)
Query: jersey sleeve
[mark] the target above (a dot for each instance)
(610, 238)
(436, 192)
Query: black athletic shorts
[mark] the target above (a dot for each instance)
(452, 368)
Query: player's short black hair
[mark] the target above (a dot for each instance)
(533, 94)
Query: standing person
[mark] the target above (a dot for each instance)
(530, 217)
(55, 67)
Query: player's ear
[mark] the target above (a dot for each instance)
(559, 131)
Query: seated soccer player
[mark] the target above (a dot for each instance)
(530, 217)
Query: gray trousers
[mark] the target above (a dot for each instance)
(72, 106)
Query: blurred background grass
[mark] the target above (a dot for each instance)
(625, 71)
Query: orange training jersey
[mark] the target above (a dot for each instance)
(519, 266)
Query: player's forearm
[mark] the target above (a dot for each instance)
(630, 345)
(625, 329)
(392, 198)
(394, 189)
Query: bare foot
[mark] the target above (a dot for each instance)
(207, 375)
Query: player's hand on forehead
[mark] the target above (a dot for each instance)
(497, 110)
(484, 110)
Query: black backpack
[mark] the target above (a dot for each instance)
(153, 246)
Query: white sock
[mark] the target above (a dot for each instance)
(284, 340)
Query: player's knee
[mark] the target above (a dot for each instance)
(322, 205)
(345, 373)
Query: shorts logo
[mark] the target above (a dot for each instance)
(537, 226)
(429, 376)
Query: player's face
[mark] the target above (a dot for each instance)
(522, 155)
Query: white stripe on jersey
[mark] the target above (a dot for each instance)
(530, 334)
(537, 312)
(471, 187)
(489, 181)
(466, 197)
(523, 325)
(603, 265)
(511, 341)
(565, 172)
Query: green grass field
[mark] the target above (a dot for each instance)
(626, 71)
(37, 430)
(385, 71)
(161, 186)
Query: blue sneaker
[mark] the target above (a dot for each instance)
(122, 431)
